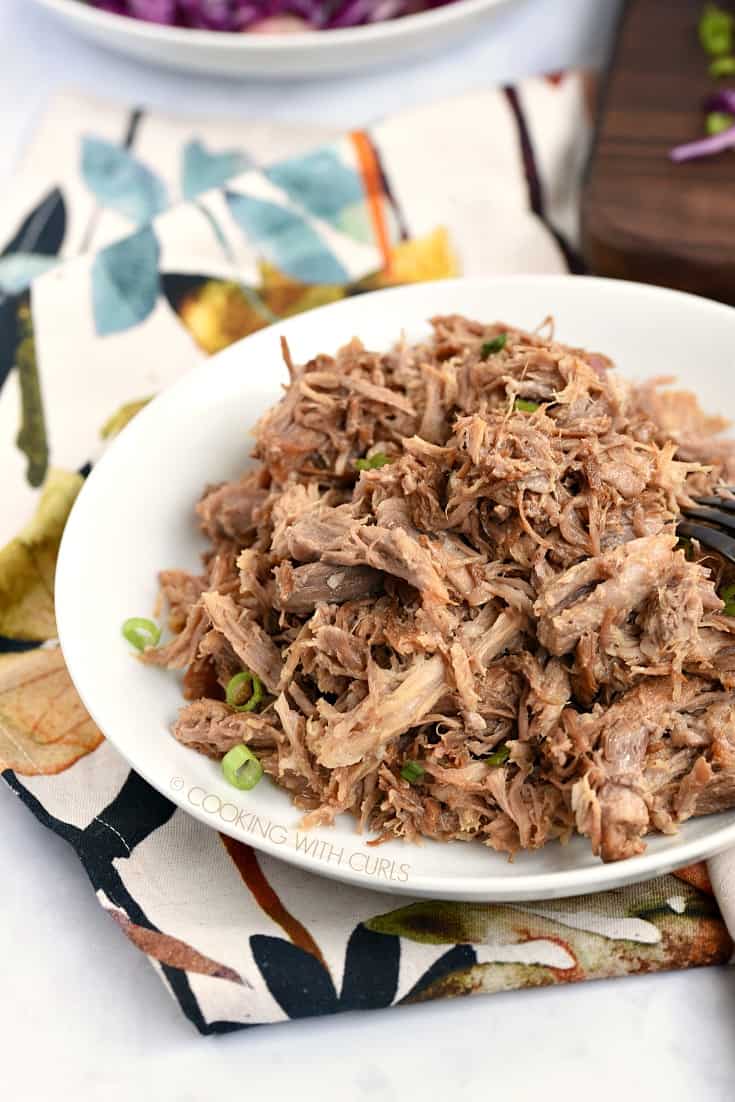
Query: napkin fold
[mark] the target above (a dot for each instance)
(133, 245)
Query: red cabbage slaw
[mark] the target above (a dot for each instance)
(716, 30)
(265, 15)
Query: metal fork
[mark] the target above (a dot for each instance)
(710, 521)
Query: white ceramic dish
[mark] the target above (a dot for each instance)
(134, 516)
(272, 55)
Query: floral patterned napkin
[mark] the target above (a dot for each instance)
(131, 245)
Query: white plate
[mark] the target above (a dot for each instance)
(273, 55)
(134, 516)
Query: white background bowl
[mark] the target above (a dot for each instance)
(135, 516)
(289, 55)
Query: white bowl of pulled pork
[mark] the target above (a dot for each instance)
(400, 590)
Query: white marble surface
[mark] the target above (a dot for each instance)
(82, 1015)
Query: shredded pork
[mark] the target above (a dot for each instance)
(500, 599)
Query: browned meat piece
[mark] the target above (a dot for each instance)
(646, 763)
(300, 589)
(183, 648)
(210, 727)
(181, 590)
(216, 650)
(497, 597)
(718, 454)
(228, 511)
(317, 532)
(537, 811)
(692, 788)
(671, 617)
(490, 635)
(334, 537)
(610, 585)
(674, 412)
(549, 692)
(200, 679)
(624, 820)
(396, 704)
(293, 756)
(255, 649)
(335, 410)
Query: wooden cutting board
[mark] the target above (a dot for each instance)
(643, 217)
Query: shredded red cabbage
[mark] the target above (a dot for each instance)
(245, 15)
(722, 100)
(704, 147)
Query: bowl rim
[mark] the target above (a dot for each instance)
(559, 883)
(232, 42)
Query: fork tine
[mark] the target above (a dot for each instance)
(710, 537)
(715, 516)
(726, 504)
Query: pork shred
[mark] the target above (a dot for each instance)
(500, 597)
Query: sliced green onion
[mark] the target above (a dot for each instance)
(717, 121)
(244, 691)
(500, 756)
(373, 463)
(241, 768)
(141, 633)
(727, 593)
(412, 771)
(525, 405)
(685, 544)
(495, 345)
(722, 67)
(715, 30)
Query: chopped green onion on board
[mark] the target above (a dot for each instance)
(715, 30)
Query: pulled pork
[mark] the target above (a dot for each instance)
(498, 599)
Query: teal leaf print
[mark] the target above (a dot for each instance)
(320, 181)
(43, 229)
(120, 181)
(286, 239)
(125, 282)
(202, 170)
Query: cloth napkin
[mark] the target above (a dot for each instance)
(132, 246)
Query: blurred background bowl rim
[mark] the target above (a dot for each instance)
(240, 41)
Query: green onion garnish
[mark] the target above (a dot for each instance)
(244, 691)
(141, 633)
(241, 768)
(525, 405)
(722, 67)
(495, 345)
(412, 771)
(373, 463)
(715, 30)
(685, 544)
(717, 121)
(727, 594)
(500, 756)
